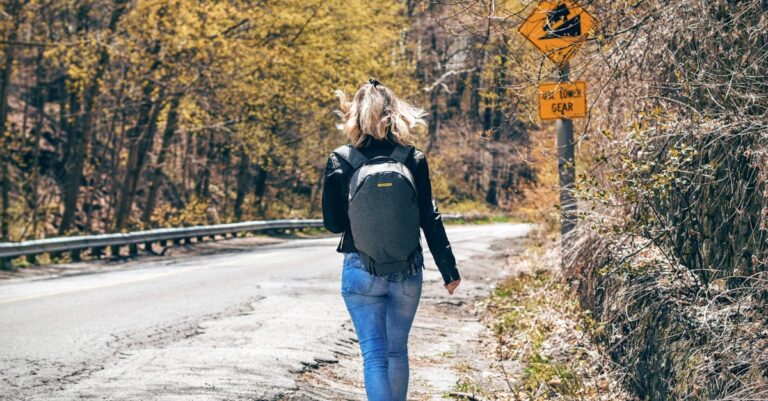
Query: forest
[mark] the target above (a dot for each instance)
(123, 115)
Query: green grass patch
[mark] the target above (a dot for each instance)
(541, 373)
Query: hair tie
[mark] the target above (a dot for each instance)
(374, 82)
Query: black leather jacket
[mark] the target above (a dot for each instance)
(335, 192)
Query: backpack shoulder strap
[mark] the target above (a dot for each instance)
(351, 155)
(401, 153)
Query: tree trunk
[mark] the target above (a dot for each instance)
(118, 143)
(140, 138)
(81, 132)
(242, 183)
(496, 120)
(5, 187)
(114, 141)
(475, 83)
(205, 153)
(5, 81)
(434, 97)
(315, 194)
(434, 117)
(156, 173)
(37, 127)
(259, 189)
(226, 173)
(453, 106)
(187, 166)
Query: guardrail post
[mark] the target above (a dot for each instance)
(148, 247)
(75, 255)
(177, 241)
(97, 252)
(163, 242)
(200, 238)
(5, 264)
(133, 250)
(31, 259)
(114, 251)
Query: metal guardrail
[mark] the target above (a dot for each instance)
(10, 250)
(97, 243)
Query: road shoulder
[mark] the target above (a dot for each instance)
(514, 332)
(448, 341)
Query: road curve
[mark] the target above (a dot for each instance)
(226, 326)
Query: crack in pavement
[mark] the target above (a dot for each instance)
(43, 377)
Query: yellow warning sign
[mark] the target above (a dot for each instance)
(557, 28)
(563, 100)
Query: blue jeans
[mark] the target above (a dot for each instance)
(382, 311)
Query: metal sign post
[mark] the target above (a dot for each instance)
(558, 28)
(566, 163)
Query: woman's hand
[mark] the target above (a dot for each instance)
(451, 287)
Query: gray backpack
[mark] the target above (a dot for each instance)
(383, 211)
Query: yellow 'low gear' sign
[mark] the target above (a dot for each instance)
(557, 28)
(563, 100)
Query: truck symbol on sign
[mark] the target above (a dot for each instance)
(558, 28)
(568, 27)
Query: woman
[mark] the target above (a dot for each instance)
(382, 307)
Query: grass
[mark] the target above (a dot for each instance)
(538, 323)
(531, 298)
(541, 373)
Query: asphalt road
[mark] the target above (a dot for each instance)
(227, 326)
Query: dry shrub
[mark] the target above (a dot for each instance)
(679, 337)
(678, 275)
(672, 250)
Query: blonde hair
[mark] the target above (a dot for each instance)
(375, 111)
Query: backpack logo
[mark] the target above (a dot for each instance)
(384, 184)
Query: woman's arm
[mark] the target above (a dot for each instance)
(432, 224)
(335, 217)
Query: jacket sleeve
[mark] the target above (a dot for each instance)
(432, 224)
(335, 217)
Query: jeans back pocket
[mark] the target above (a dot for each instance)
(412, 284)
(354, 278)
